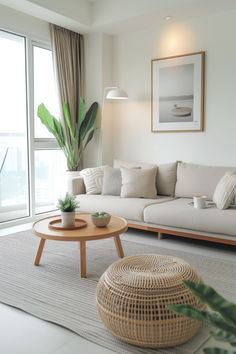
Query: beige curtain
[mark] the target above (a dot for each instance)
(68, 58)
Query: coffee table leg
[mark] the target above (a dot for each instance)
(119, 247)
(82, 259)
(39, 252)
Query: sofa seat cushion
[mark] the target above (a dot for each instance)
(177, 213)
(130, 208)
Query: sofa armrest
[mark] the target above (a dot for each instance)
(76, 186)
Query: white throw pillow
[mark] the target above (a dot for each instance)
(138, 183)
(93, 179)
(225, 191)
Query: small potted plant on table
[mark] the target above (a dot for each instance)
(101, 219)
(67, 207)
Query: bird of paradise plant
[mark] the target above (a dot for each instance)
(80, 133)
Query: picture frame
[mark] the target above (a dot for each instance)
(177, 93)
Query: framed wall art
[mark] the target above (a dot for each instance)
(178, 93)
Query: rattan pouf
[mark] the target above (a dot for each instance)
(132, 296)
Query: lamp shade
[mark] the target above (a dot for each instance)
(116, 94)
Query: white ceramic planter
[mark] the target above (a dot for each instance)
(68, 218)
(70, 176)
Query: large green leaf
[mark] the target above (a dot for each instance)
(46, 118)
(209, 318)
(59, 133)
(80, 117)
(90, 136)
(51, 123)
(224, 336)
(72, 142)
(217, 351)
(89, 120)
(67, 116)
(207, 295)
(81, 110)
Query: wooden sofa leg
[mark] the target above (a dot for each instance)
(160, 235)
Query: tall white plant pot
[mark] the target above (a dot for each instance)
(68, 218)
(70, 176)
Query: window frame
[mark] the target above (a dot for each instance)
(28, 203)
(33, 143)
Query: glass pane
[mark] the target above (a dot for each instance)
(14, 195)
(44, 89)
(50, 179)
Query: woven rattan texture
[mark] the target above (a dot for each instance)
(132, 296)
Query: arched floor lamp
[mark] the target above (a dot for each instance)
(109, 93)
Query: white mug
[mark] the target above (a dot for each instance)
(199, 202)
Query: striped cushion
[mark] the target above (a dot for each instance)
(225, 191)
(93, 179)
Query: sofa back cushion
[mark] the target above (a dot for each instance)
(165, 178)
(193, 179)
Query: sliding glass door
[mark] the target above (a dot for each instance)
(32, 167)
(14, 181)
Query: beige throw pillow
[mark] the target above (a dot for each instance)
(225, 191)
(138, 183)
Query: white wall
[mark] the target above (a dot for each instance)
(132, 137)
(125, 60)
(72, 14)
(21, 23)
(79, 10)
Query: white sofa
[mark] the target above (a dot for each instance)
(169, 214)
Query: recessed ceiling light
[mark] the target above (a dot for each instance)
(168, 18)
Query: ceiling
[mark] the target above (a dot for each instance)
(115, 16)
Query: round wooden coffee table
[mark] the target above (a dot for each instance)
(116, 227)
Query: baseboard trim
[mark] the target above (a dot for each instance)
(162, 232)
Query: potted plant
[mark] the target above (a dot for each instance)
(72, 137)
(222, 316)
(101, 219)
(67, 207)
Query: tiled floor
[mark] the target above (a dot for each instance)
(21, 333)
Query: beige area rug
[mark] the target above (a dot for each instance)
(55, 292)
